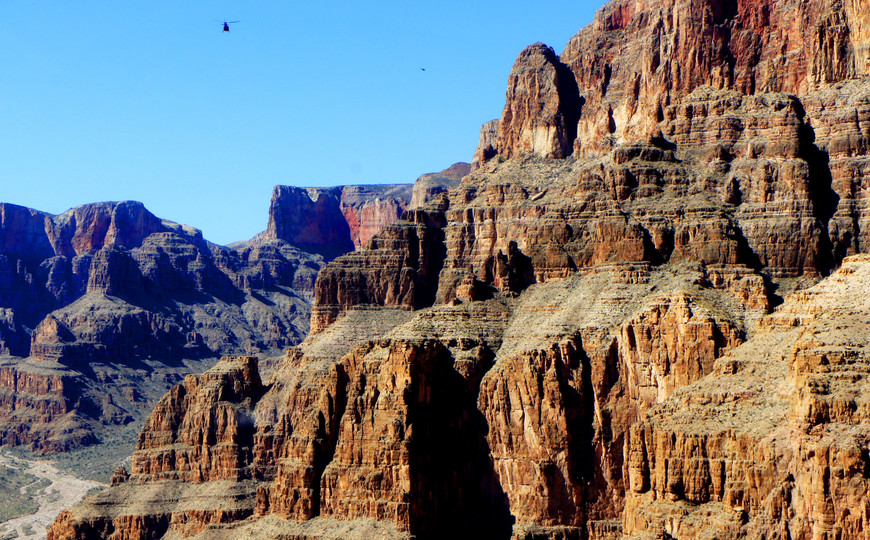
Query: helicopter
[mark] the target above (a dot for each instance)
(227, 25)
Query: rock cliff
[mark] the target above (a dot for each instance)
(776, 444)
(334, 221)
(429, 186)
(638, 58)
(642, 314)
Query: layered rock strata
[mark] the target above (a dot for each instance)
(400, 269)
(637, 58)
(109, 294)
(453, 420)
(429, 186)
(777, 443)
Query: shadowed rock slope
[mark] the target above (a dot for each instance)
(643, 314)
(106, 306)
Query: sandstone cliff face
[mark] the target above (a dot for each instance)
(542, 106)
(335, 221)
(108, 291)
(486, 145)
(201, 432)
(639, 57)
(399, 269)
(770, 154)
(582, 338)
(311, 220)
(366, 218)
(711, 78)
(774, 445)
(429, 186)
(458, 419)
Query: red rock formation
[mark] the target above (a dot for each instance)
(369, 209)
(110, 281)
(486, 146)
(399, 269)
(201, 433)
(37, 404)
(202, 430)
(539, 457)
(429, 186)
(311, 220)
(432, 426)
(637, 57)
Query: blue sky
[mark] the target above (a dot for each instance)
(150, 101)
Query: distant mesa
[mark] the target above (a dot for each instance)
(334, 221)
(105, 306)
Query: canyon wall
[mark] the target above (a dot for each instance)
(106, 306)
(776, 443)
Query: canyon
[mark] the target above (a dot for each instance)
(641, 313)
(106, 306)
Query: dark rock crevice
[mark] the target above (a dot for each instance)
(570, 104)
(824, 199)
(454, 488)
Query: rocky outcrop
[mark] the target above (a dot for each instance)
(637, 58)
(654, 54)
(38, 402)
(309, 219)
(429, 186)
(487, 144)
(303, 446)
(399, 269)
(80, 230)
(542, 107)
(369, 209)
(457, 419)
(108, 291)
(334, 221)
(210, 409)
